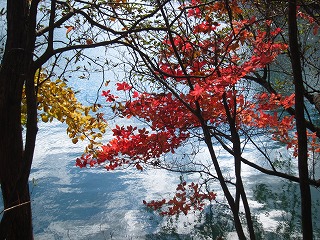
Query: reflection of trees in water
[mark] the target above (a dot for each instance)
(285, 199)
(216, 220)
(213, 223)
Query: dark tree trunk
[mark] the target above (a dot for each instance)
(15, 161)
(240, 191)
(306, 213)
(231, 202)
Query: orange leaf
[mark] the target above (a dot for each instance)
(69, 28)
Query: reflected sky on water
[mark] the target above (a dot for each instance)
(73, 203)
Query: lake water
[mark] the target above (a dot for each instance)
(73, 203)
(86, 203)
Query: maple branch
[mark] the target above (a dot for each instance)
(261, 151)
(73, 11)
(206, 172)
(236, 149)
(312, 182)
(175, 50)
(273, 172)
(117, 34)
(153, 68)
(229, 14)
(225, 188)
(262, 81)
(57, 23)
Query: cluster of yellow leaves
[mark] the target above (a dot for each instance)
(58, 101)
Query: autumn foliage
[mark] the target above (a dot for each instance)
(187, 197)
(204, 70)
(205, 74)
(56, 100)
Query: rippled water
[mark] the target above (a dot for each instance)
(73, 203)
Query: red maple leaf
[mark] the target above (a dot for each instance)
(197, 92)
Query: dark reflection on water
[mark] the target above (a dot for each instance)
(286, 200)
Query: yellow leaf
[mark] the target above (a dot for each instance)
(45, 118)
(57, 100)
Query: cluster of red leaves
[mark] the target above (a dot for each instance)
(187, 197)
(197, 9)
(314, 143)
(109, 96)
(212, 67)
(134, 146)
(204, 82)
(206, 70)
(162, 111)
(292, 143)
(264, 113)
(85, 160)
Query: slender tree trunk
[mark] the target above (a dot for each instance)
(15, 162)
(231, 202)
(300, 124)
(240, 191)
